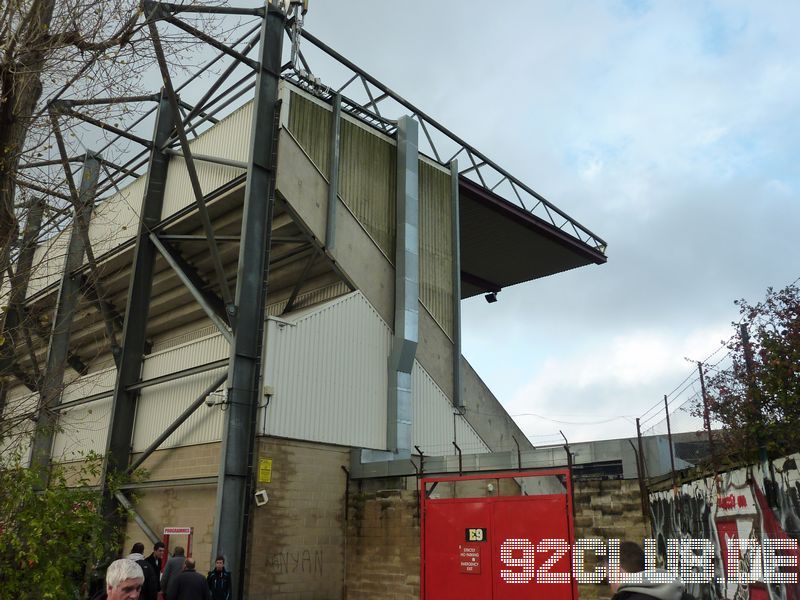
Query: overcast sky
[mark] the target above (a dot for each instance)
(668, 128)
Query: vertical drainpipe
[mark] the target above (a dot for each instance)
(406, 309)
(333, 187)
(457, 400)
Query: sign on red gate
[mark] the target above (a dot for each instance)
(496, 536)
(470, 559)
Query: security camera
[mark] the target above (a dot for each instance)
(210, 401)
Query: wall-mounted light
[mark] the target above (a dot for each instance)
(491, 297)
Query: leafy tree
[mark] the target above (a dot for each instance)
(50, 540)
(759, 404)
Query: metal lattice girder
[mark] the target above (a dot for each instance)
(138, 306)
(479, 165)
(66, 305)
(244, 375)
(153, 11)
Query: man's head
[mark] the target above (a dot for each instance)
(178, 551)
(124, 579)
(219, 563)
(158, 550)
(631, 560)
(138, 548)
(188, 564)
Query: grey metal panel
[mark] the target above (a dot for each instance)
(434, 424)
(436, 244)
(326, 367)
(159, 405)
(367, 182)
(310, 124)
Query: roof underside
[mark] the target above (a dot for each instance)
(502, 244)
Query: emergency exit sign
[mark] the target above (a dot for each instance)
(469, 559)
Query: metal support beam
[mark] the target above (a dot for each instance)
(244, 376)
(94, 278)
(212, 305)
(458, 402)
(138, 306)
(68, 296)
(227, 162)
(299, 284)
(177, 423)
(151, 535)
(14, 321)
(333, 179)
(406, 294)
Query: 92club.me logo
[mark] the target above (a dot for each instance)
(772, 561)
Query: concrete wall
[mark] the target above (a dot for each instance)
(486, 415)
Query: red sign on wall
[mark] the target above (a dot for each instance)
(470, 558)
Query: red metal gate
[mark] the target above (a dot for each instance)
(492, 536)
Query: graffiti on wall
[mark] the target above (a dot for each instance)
(757, 503)
(302, 561)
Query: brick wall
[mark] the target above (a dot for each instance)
(607, 509)
(184, 506)
(383, 538)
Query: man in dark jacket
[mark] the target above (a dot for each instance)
(150, 587)
(189, 585)
(631, 560)
(219, 580)
(156, 558)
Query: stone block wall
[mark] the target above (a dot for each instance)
(297, 540)
(608, 508)
(383, 540)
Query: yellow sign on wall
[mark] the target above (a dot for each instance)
(264, 470)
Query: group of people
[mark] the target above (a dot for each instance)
(138, 577)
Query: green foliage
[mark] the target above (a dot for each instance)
(760, 407)
(49, 538)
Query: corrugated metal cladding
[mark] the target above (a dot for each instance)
(116, 219)
(310, 124)
(368, 182)
(435, 426)
(160, 405)
(436, 244)
(367, 166)
(327, 368)
(328, 372)
(84, 428)
(323, 294)
(227, 139)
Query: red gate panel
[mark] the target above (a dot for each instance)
(449, 556)
(497, 547)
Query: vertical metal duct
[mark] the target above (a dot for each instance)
(406, 308)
